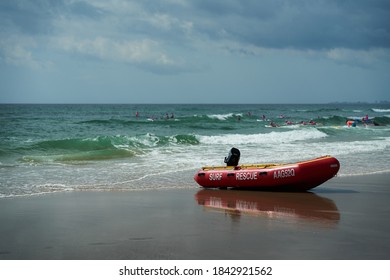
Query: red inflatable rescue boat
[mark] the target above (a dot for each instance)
(299, 176)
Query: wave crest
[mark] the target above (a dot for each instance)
(101, 147)
(381, 110)
(264, 138)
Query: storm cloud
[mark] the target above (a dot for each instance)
(172, 37)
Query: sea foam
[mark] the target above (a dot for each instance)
(263, 138)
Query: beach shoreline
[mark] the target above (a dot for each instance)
(345, 218)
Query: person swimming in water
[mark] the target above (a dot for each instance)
(351, 123)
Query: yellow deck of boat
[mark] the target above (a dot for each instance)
(257, 166)
(243, 166)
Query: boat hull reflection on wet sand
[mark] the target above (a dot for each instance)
(300, 206)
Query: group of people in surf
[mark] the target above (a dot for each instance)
(350, 122)
(287, 122)
(162, 117)
(365, 121)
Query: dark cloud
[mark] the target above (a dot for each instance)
(85, 10)
(28, 17)
(258, 9)
(304, 24)
(36, 17)
(222, 46)
(162, 34)
(299, 24)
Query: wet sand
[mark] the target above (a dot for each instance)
(345, 218)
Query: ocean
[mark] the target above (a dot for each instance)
(123, 147)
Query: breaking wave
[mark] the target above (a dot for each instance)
(264, 138)
(100, 148)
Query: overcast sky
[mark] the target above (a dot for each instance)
(199, 51)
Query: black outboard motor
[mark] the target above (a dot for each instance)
(233, 157)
